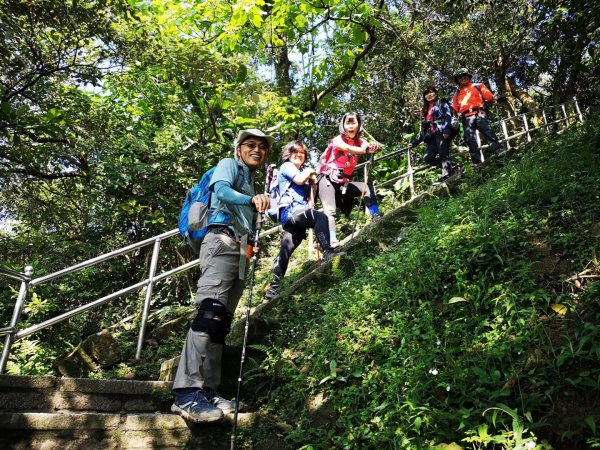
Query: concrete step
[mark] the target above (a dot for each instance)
(52, 413)
(66, 431)
(51, 394)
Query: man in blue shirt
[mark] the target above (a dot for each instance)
(223, 266)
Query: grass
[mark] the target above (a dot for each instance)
(469, 325)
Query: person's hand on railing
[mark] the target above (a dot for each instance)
(372, 148)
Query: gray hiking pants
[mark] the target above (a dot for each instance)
(200, 361)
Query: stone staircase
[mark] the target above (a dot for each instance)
(48, 413)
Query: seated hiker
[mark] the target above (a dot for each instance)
(336, 188)
(471, 103)
(436, 132)
(221, 284)
(296, 213)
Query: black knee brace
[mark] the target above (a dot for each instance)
(214, 320)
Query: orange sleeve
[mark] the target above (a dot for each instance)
(486, 93)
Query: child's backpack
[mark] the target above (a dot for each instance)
(273, 191)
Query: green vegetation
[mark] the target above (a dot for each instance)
(477, 323)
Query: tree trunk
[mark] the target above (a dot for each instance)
(282, 70)
(528, 102)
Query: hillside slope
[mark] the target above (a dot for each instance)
(476, 321)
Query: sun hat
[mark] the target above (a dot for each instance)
(244, 134)
(462, 71)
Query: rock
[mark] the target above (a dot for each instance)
(98, 350)
(76, 364)
(172, 327)
(168, 369)
(103, 348)
(321, 410)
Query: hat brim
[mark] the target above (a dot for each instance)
(245, 134)
(457, 76)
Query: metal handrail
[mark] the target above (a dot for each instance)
(10, 273)
(104, 257)
(12, 332)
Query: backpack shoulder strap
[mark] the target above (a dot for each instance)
(455, 97)
(239, 178)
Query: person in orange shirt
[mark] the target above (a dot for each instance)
(471, 104)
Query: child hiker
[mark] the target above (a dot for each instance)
(336, 188)
(296, 213)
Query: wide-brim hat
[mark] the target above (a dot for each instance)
(462, 71)
(244, 134)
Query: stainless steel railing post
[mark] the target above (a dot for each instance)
(146, 309)
(14, 321)
(526, 127)
(564, 110)
(505, 132)
(410, 172)
(579, 115)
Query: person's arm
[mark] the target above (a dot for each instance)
(487, 95)
(294, 175)
(447, 113)
(455, 104)
(302, 177)
(226, 194)
(362, 150)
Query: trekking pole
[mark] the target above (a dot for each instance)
(364, 191)
(255, 252)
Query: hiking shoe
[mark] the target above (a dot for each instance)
(227, 406)
(196, 408)
(376, 217)
(440, 180)
(328, 255)
(272, 292)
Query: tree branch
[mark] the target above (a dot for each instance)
(349, 73)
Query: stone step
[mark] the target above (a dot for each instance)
(53, 413)
(95, 431)
(51, 394)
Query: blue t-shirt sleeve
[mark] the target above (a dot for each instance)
(223, 181)
(288, 171)
(296, 193)
(227, 194)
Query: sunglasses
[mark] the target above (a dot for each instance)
(253, 145)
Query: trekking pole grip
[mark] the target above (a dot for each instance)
(258, 221)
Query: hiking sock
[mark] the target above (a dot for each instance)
(332, 236)
(374, 209)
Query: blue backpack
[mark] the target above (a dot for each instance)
(193, 220)
(196, 214)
